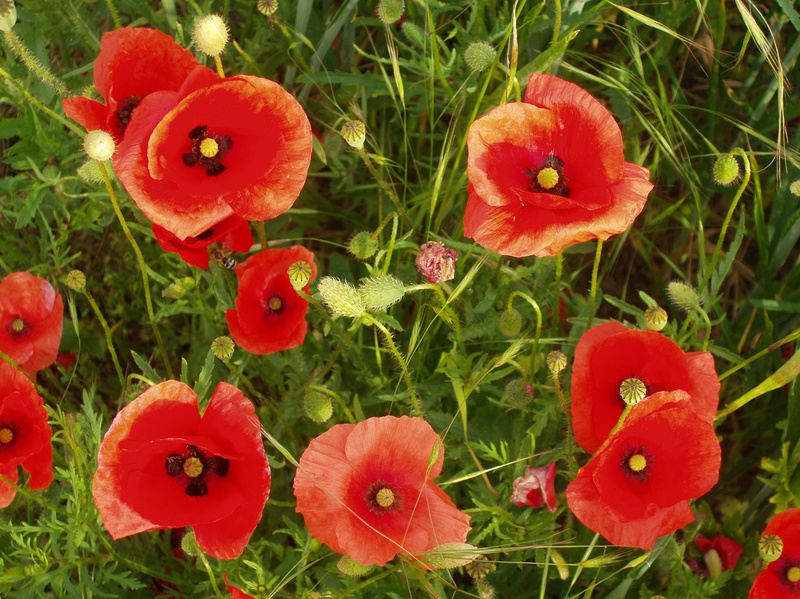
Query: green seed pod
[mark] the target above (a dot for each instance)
(267, 7)
(480, 567)
(479, 56)
(770, 547)
(726, 170)
(517, 393)
(510, 322)
(341, 297)
(655, 318)
(76, 280)
(632, 391)
(390, 11)
(381, 292)
(8, 14)
(684, 297)
(354, 133)
(222, 348)
(556, 361)
(362, 246)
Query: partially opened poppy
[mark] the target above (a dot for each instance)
(637, 486)
(232, 232)
(270, 316)
(536, 488)
(549, 172)
(216, 147)
(133, 63)
(163, 465)
(721, 553)
(24, 434)
(780, 579)
(366, 490)
(31, 316)
(610, 354)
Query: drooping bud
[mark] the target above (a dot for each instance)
(351, 568)
(518, 393)
(655, 318)
(390, 11)
(267, 7)
(726, 170)
(354, 133)
(210, 35)
(222, 347)
(89, 171)
(683, 296)
(381, 292)
(560, 563)
(510, 322)
(99, 145)
(414, 34)
(189, 544)
(362, 246)
(436, 262)
(8, 14)
(317, 404)
(76, 280)
(556, 361)
(341, 297)
(770, 547)
(479, 56)
(450, 555)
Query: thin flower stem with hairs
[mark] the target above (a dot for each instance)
(22, 52)
(538, 332)
(107, 332)
(593, 289)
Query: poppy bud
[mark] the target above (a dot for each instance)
(556, 361)
(560, 563)
(341, 297)
(317, 404)
(351, 568)
(510, 322)
(655, 318)
(362, 246)
(189, 544)
(794, 188)
(518, 393)
(770, 547)
(222, 348)
(8, 15)
(713, 563)
(354, 133)
(480, 567)
(90, 172)
(381, 292)
(76, 280)
(485, 590)
(267, 7)
(414, 34)
(683, 296)
(479, 56)
(390, 11)
(174, 291)
(726, 170)
(450, 555)
(210, 35)
(99, 145)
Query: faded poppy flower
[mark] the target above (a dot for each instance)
(235, 593)
(269, 315)
(549, 172)
(162, 465)
(133, 63)
(366, 490)
(31, 315)
(232, 232)
(637, 486)
(609, 354)
(214, 148)
(24, 434)
(536, 488)
(720, 552)
(780, 579)
(436, 262)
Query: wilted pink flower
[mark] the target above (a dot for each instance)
(436, 262)
(536, 488)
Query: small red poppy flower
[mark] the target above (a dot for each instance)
(216, 147)
(133, 63)
(24, 434)
(235, 593)
(536, 488)
(780, 579)
(163, 465)
(726, 553)
(31, 315)
(609, 354)
(366, 490)
(637, 486)
(232, 232)
(549, 172)
(269, 315)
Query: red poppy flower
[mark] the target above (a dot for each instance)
(232, 232)
(269, 315)
(549, 172)
(780, 579)
(133, 63)
(637, 486)
(536, 488)
(162, 465)
(726, 549)
(216, 147)
(610, 353)
(235, 593)
(24, 434)
(31, 314)
(366, 490)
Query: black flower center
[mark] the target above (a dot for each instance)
(194, 467)
(125, 111)
(381, 498)
(18, 328)
(549, 177)
(207, 150)
(636, 464)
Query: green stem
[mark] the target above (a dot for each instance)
(538, 332)
(707, 336)
(218, 64)
(107, 332)
(21, 51)
(211, 576)
(568, 414)
(383, 224)
(416, 402)
(556, 21)
(36, 104)
(593, 288)
(142, 268)
(557, 289)
(383, 184)
(718, 248)
(114, 14)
